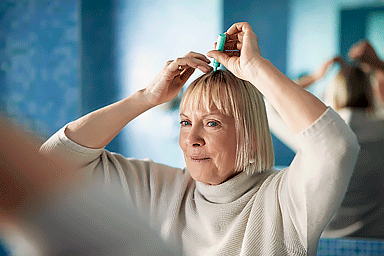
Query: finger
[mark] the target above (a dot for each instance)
(199, 60)
(240, 36)
(198, 56)
(221, 57)
(186, 74)
(232, 53)
(169, 63)
(185, 67)
(190, 62)
(239, 27)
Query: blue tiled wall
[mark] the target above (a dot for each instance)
(350, 247)
(39, 69)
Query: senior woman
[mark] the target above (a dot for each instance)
(228, 200)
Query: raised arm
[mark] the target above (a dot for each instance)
(297, 107)
(98, 128)
(308, 80)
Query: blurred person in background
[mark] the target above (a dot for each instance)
(363, 53)
(351, 94)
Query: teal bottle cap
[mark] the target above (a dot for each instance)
(220, 47)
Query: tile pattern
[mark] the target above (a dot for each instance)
(350, 247)
(39, 63)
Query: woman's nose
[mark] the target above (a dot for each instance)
(195, 138)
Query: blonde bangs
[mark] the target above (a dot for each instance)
(209, 91)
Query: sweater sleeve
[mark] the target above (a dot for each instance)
(316, 181)
(153, 189)
(60, 145)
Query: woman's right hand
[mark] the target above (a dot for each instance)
(173, 76)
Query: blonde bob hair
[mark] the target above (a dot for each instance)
(351, 88)
(241, 100)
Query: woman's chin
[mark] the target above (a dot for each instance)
(197, 176)
(206, 180)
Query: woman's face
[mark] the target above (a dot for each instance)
(208, 140)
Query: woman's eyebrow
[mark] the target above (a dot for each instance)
(213, 114)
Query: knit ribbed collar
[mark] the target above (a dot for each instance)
(233, 188)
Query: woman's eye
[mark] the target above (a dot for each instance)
(213, 124)
(184, 123)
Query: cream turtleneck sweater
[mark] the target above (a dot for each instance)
(273, 213)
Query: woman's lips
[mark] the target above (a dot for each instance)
(199, 159)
